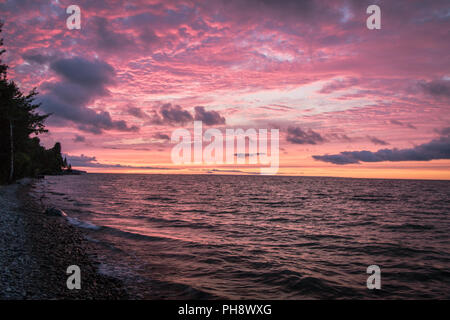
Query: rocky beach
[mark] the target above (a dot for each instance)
(36, 248)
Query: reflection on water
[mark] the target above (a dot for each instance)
(192, 236)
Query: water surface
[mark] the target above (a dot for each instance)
(262, 237)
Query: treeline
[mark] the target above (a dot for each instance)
(21, 154)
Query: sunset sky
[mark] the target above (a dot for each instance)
(138, 70)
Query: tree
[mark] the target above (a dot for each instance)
(19, 119)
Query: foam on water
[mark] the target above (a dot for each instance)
(82, 224)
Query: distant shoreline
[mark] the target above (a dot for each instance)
(47, 245)
(253, 175)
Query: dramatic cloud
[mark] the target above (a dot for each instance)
(298, 136)
(399, 123)
(208, 117)
(338, 85)
(257, 63)
(171, 115)
(91, 162)
(107, 38)
(86, 119)
(433, 150)
(79, 138)
(375, 140)
(161, 136)
(83, 72)
(136, 112)
(338, 137)
(83, 82)
(444, 131)
(37, 57)
(437, 87)
(174, 115)
(80, 160)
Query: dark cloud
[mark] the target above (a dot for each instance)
(161, 136)
(298, 136)
(82, 82)
(23, 5)
(148, 36)
(79, 138)
(107, 38)
(433, 150)
(137, 112)
(399, 123)
(304, 6)
(208, 117)
(375, 140)
(38, 58)
(71, 93)
(84, 72)
(80, 160)
(91, 162)
(87, 119)
(281, 10)
(444, 131)
(437, 87)
(246, 155)
(339, 137)
(171, 115)
(338, 85)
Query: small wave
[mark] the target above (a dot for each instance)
(318, 237)
(372, 198)
(56, 193)
(391, 250)
(82, 224)
(194, 211)
(160, 198)
(177, 223)
(296, 283)
(274, 204)
(134, 235)
(178, 290)
(279, 220)
(81, 204)
(410, 226)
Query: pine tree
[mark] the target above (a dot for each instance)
(21, 155)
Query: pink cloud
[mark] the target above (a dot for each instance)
(248, 61)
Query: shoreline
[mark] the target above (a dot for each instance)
(36, 249)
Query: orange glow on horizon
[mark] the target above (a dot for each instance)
(433, 170)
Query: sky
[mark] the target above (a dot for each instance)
(347, 101)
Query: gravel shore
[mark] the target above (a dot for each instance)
(36, 249)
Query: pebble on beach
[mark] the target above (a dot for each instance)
(37, 246)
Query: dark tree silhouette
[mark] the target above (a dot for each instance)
(20, 154)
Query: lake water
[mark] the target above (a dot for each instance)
(262, 237)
